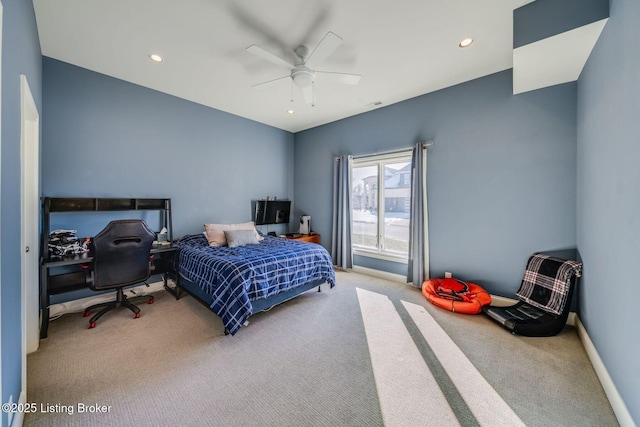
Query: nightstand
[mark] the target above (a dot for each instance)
(313, 237)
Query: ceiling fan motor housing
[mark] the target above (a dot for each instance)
(302, 52)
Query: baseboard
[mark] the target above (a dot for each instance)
(76, 306)
(618, 405)
(18, 416)
(380, 274)
(572, 320)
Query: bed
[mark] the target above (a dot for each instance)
(236, 282)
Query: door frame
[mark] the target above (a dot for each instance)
(29, 215)
(1, 31)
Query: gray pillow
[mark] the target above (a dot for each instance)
(240, 237)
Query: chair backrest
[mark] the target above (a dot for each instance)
(121, 254)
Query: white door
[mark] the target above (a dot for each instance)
(0, 190)
(29, 158)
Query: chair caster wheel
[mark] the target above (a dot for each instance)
(92, 325)
(151, 301)
(136, 316)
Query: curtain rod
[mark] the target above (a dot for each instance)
(425, 145)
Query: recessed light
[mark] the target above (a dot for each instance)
(155, 58)
(292, 112)
(465, 42)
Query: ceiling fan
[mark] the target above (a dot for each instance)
(304, 73)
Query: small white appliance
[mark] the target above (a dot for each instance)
(305, 224)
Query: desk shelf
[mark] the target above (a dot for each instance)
(52, 205)
(79, 204)
(67, 282)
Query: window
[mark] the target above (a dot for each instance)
(381, 205)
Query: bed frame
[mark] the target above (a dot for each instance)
(262, 304)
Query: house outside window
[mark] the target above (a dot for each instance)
(381, 203)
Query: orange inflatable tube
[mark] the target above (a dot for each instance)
(456, 295)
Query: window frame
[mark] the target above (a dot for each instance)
(380, 160)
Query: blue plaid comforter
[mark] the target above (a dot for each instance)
(236, 276)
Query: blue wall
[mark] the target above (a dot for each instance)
(541, 19)
(20, 55)
(501, 177)
(104, 137)
(608, 198)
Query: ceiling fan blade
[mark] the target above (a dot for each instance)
(326, 47)
(249, 21)
(260, 52)
(320, 13)
(342, 78)
(269, 83)
(307, 93)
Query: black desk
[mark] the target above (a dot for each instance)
(163, 262)
(74, 277)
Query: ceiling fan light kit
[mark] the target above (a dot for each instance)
(303, 74)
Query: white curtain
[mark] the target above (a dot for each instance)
(418, 270)
(341, 233)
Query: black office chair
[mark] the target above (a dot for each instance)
(545, 298)
(121, 257)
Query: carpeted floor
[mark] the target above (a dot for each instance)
(313, 361)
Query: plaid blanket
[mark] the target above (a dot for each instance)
(546, 282)
(236, 276)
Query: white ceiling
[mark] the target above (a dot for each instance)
(402, 49)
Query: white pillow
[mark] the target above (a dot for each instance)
(237, 238)
(215, 232)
